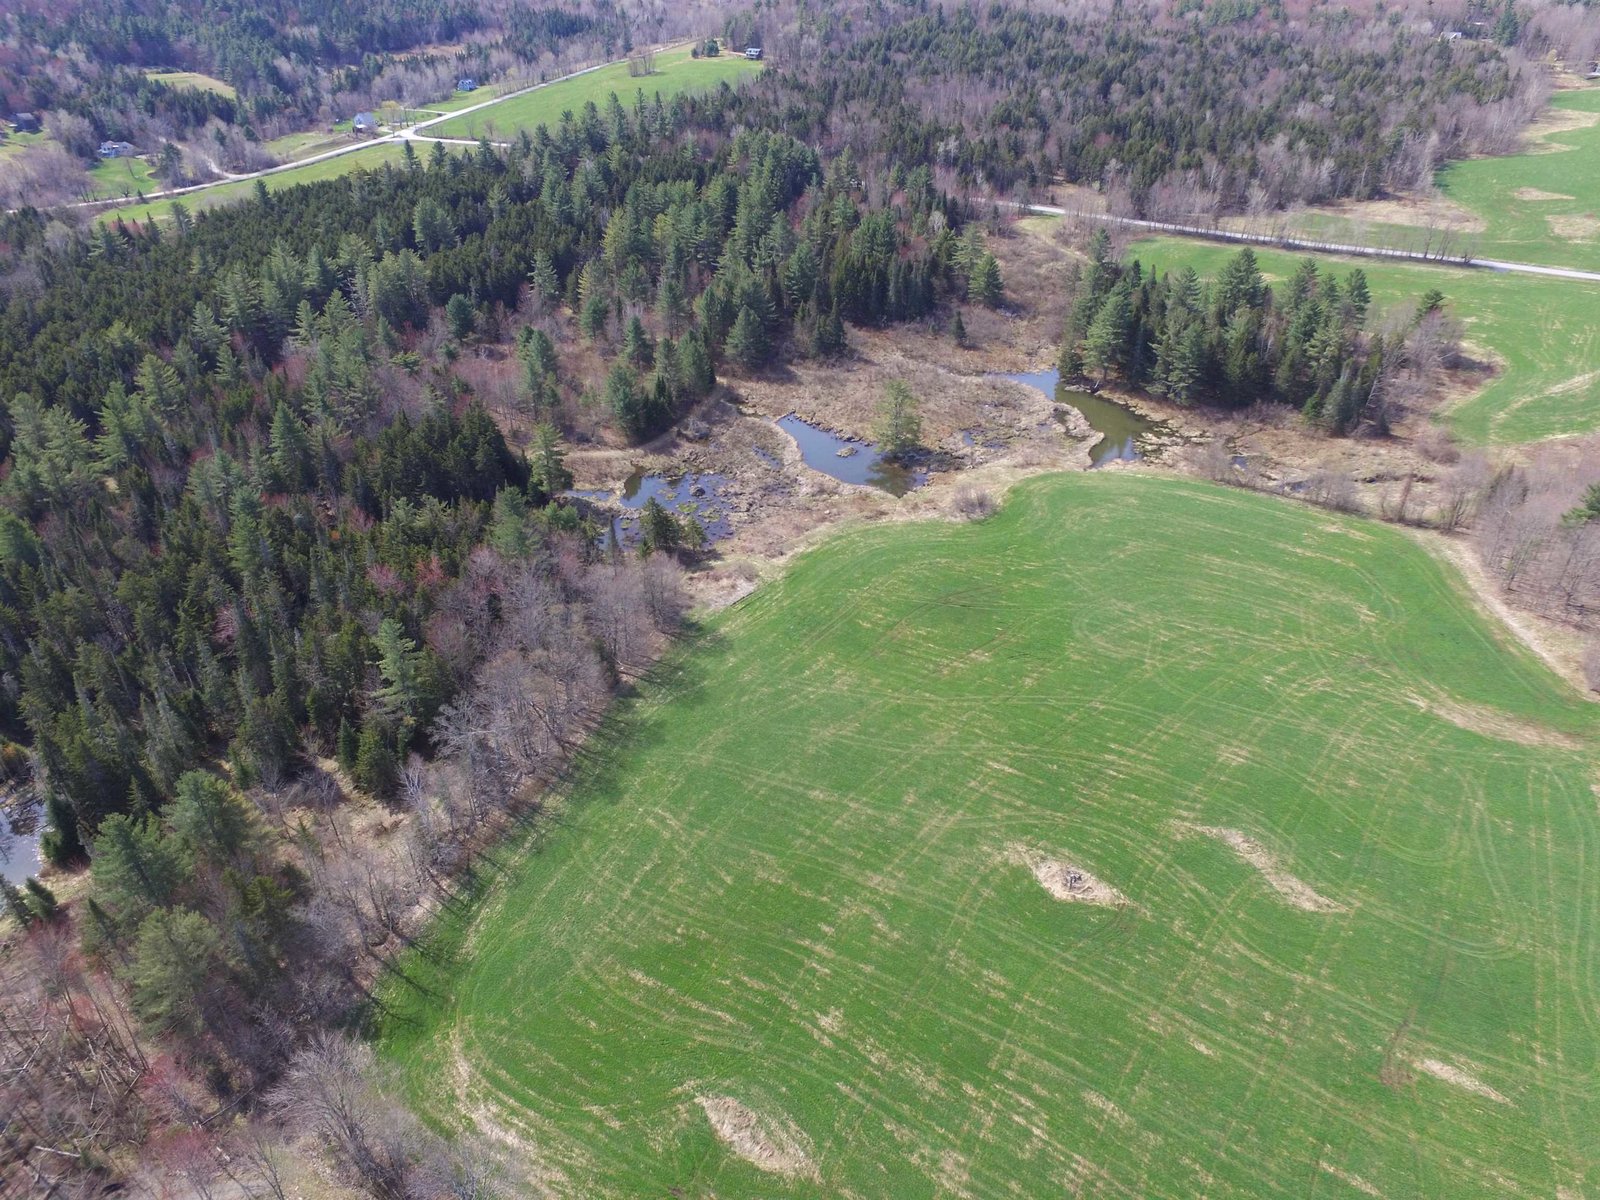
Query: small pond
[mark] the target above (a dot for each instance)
(1123, 429)
(860, 462)
(21, 827)
(700, 496)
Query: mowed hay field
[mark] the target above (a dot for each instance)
(369, 159)
(676, 71)
(1542, 334)
(805, 924)
(1540, 206)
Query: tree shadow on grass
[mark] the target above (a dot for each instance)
(632, 727)
(629, 729)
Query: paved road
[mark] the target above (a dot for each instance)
(1293, 243)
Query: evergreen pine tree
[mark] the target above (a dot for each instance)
(747, 341)
(547, 462)
(41, 901)
(346, 745)
(16, 905)
(985, 286)
(636, 345)
(899, 426)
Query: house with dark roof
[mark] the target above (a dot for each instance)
(25, 123)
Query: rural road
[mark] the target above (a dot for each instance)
(411, 133)
(415, 133)
(1293, 243)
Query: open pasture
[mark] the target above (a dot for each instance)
(676, 71)
(122, 177)
(1148, 839)
(194, 80)
(1543, 334)
(368, 159)
(1540, 206)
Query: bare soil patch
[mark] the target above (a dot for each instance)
(766, 1144)
(1574, 227)
(1066, 880)
(1477, 718)
(1453, 1074)
(1556, 120)
(1296, 891)
(1535, 194)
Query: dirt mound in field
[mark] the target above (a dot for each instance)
(766, 1144)
(1066, 880)
(1296, 891)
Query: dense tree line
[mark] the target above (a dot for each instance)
(1233, 340)
(235, 490)
(244, 44)
(1168, 112)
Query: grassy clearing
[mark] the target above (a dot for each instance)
(1544, 333)
(804, 891)
(456, 101)
(675, 72)
(1538, 207)
(192, 79)
(122, 177)
(301, 145)
(17, 144)
(227, 193)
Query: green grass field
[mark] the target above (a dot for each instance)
(675, 72)
(299, 145)
(226, 193)
(798, 873)
(17, 144)
(192, 79)
(1539, 207)
(456, 101)
(122, 176)
(1544, 333)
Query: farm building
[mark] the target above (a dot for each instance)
(116, 150)
(753, 53)
(365, 122)
(25, 122)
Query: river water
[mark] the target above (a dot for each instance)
(21, 827)
(1123, 429)
(862, 462)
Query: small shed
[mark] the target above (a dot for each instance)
(753, 53)
(466, 84)
(365, 122)
(25, 122)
